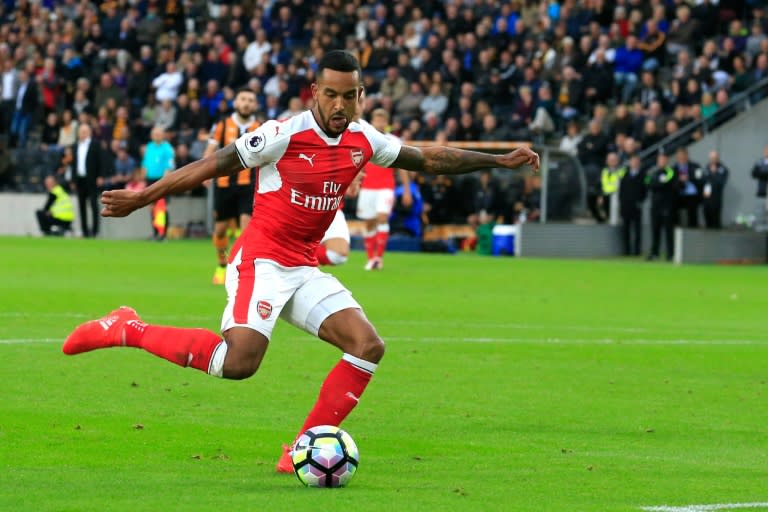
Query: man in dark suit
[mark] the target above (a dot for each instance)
(662, 181)
(715, 178)
(89, 166)
(632, 193)
(691, 182)
(25, 107)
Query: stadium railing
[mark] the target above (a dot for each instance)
(741, 102)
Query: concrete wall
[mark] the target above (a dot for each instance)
(568, 241)
(740, 143)
(729, 247)
(17, 217)
(604, 241)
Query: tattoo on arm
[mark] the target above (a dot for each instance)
(443, 160)
(228, 161)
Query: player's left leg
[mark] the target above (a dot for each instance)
(338, 319)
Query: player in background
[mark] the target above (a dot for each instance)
(272, 271)
(377, 197)
(232, 195)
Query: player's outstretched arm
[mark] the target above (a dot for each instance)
(119, 203)
(444, 160)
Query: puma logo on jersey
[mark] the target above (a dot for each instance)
(308, 158)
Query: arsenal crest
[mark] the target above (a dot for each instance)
(264, 308)
(357, 157)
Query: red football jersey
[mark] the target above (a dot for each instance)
(377, 177)
(301, 180)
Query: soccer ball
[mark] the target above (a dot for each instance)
(325, 456)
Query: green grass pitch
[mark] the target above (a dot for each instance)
(508, 384)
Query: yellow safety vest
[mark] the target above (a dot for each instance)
(61, 208)
(610, 180)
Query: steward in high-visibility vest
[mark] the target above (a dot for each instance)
(609, 184)
(58, 213)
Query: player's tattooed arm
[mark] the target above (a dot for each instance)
(224, 162)
(445, 160)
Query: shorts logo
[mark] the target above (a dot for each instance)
(264, 308)
(256, 143)
(357, 156)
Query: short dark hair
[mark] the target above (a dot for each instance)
(244, 90)
(339, 60)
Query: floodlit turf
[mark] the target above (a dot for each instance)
(511, 385)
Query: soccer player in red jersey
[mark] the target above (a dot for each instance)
(305, 165)
(376, 199)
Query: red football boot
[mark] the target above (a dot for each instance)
(285, 464)
(102, 333)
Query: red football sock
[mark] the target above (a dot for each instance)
(339, 393)
(381, 242)
(370, 244)
(322, 255)
(179, 345)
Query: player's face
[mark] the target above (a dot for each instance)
(336, 95)
(245, 104)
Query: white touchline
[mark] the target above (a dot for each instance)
(705, 508)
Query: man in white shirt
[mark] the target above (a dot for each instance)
(256, 50)
(9, 84)
(89, 168)
(167, 84)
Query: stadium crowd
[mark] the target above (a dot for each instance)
(594, 77)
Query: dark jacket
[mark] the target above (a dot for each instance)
(715, 181)
(31, 98)
(664, 188)
(97, 163)
(632, 190)
(760, 173)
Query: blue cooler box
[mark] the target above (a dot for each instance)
(503, 241)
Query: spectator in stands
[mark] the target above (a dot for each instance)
(67, 129)
(394, 85)
(715, 179)
(123, 166)
(683, 32)
(627, 65)
(10, 84)
(168, 83)
(653, 44)
(569, 144)
(50, 136)
(598, 79)
(25, 108)
(570, 99)
(56, 216)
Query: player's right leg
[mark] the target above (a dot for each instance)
(235, 356)
(257, 293)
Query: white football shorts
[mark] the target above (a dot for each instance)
(338, 228)
(371, 202)
(261, 291)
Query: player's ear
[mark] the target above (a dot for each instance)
(314, 89)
